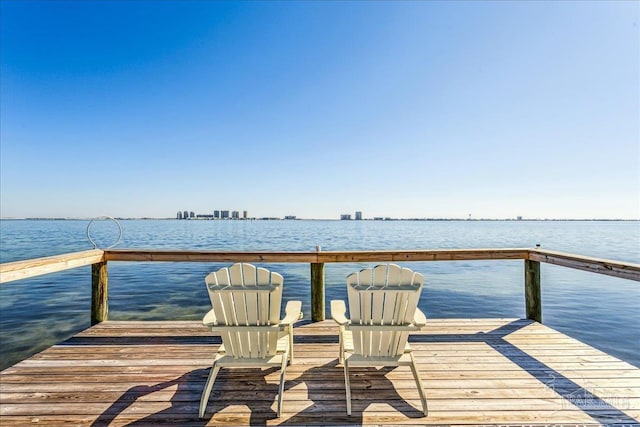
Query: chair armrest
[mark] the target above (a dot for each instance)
(339, 312)
(419, 318)
(209, 319)
(293, 313)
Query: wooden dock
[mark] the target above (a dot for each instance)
(478, 371)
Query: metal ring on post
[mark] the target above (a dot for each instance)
(95, 246)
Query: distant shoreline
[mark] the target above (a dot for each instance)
(324, 219)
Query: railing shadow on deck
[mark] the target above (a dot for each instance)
(575, 394)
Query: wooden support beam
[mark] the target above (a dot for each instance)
(532, 293)
(99, 293)
(317, 292)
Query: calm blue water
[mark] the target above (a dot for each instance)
(602, 311)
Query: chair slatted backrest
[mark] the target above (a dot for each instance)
(383, 295)
(243, 295)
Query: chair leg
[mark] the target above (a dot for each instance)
(416, 375)
(283, 368)
(341, 341)
(291, 344)
(213, 373)
(347, 386)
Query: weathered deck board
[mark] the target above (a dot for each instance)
(480, 371)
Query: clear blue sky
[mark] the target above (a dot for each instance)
(405, 109)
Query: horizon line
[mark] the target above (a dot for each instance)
(55, 218)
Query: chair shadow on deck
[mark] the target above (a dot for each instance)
(183, 405)
(183, 409)
(362, 397)
(260, 408)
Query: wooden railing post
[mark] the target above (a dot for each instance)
(532, 293)
(317, 292)
(99, 292)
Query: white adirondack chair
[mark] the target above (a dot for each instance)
(246, 312)
(383, 306)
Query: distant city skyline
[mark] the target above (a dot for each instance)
(223, 215)
(317, 109)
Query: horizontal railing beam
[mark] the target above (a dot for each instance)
(422, 255)
(151, 255)
(624, 270)
(16, 270)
